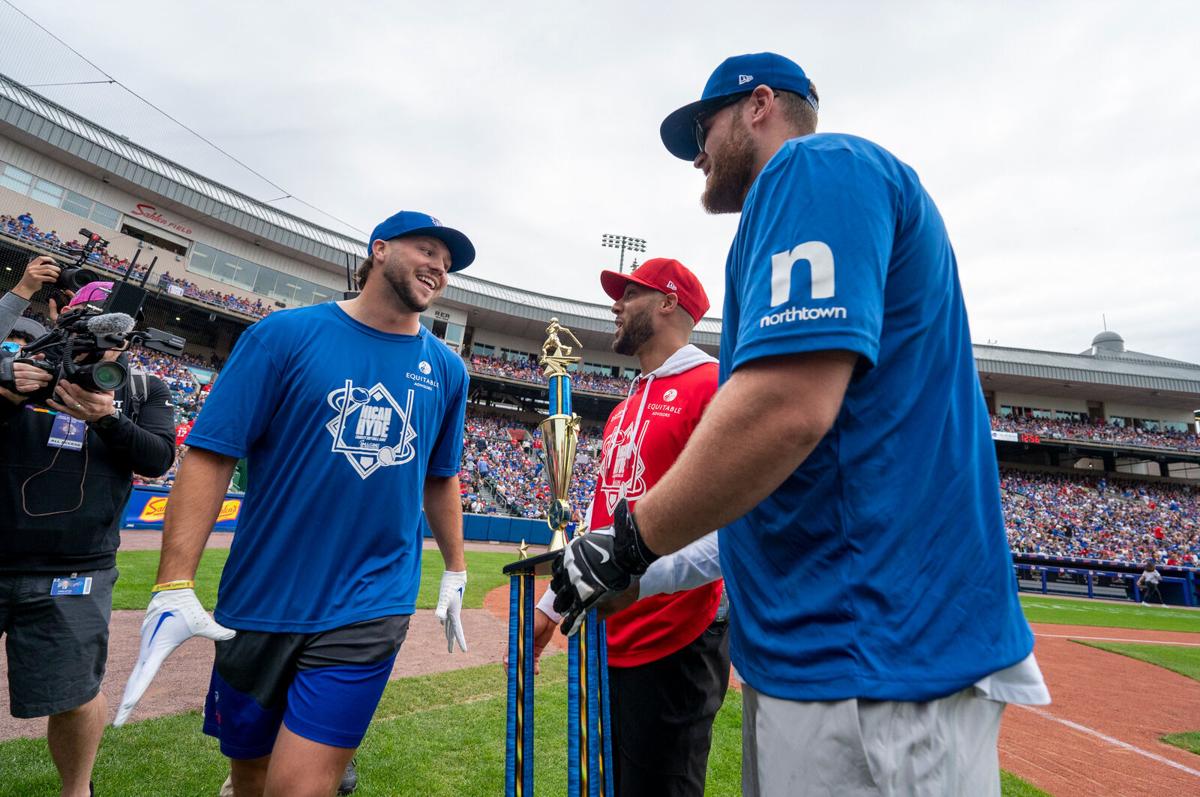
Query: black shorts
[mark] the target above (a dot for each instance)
(663, 714)
(324, 686)
(57, 644)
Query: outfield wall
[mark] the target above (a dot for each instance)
(147, 506)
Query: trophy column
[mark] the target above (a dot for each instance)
(589, 747)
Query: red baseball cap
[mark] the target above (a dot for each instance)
(665, 276)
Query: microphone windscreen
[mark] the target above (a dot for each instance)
(110, 324)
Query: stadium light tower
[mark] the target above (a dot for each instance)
(623, 242)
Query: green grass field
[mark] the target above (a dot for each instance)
(443, 734)
(1067, 611)
(138, 569)
(432, 735)
(1188, 741)
(1183, 660)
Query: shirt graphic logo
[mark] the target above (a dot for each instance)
(371, 429)
(744, 79)
(670, 395)
(819, 257)
(424, 368)
(622, 471)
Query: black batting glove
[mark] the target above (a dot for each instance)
(595, 564)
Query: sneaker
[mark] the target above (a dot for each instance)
(1145, 604)
(349, 778)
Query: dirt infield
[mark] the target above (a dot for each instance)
(1101, 734)
(182, 682)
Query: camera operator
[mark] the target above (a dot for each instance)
(24, 331)
(38, 272)
(65, 475)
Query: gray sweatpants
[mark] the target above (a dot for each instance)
(869, 748)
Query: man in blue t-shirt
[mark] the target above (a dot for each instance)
(848, 459)
(350, 418)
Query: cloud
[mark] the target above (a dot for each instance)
(1056, 138)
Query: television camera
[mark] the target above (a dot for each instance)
(74, 349)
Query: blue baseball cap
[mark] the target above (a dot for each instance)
(736, 76)
(412, 222)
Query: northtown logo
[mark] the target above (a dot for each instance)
(822, 283)
(371, 429)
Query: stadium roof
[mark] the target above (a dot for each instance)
(49, 127)
(45, 125)
(496, 306)
(1122, 375)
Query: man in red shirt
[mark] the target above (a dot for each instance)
(668, 655)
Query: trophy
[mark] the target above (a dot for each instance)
(589, 745)
(560, 430)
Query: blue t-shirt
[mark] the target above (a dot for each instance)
(879, 569)
(340, 425)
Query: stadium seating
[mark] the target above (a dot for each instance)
(1099, 432)
(1101, 518)
(100, 260)
(530, 372)
(1056, 514)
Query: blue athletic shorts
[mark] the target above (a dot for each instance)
(323, 686)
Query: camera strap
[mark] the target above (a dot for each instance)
(139, 389)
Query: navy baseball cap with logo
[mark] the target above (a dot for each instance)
(737, 76)
(412, 222)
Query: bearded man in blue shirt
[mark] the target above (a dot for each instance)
(847, 457)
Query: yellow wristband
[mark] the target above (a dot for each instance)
(169, 585)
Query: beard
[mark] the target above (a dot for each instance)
(403, 288)
(634, 332)
(732, 172)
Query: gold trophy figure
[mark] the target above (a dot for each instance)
(560, 429)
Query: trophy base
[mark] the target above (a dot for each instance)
(538, 565)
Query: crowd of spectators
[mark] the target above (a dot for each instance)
(529, 371)
(503, 463)
(1101, 518)
(187, 394)
(228, 301)
(23, 228)
(1048, 513)
(1098, 432)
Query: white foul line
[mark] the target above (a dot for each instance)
(1122, 639)
(1116, 742)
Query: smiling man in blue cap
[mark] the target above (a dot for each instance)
(848, 459)
(350, 417)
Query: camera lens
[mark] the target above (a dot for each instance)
(75, 278)
(108, 376)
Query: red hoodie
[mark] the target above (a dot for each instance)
(642, 439)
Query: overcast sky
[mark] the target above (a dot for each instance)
(1058, 139)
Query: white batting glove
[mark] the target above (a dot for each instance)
(449, 608)
(173, 617)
